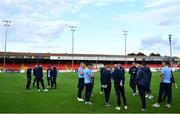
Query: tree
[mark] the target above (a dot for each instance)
(131, 54)
(140, 54)
(153, 54)
(158, 54)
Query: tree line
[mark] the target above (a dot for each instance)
(142, 54)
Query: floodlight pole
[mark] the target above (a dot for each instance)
(170, 46)
(125, 33)
(72, 30)
(6, 25)
(37, 60)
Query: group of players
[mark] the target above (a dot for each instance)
(37, 72)
(140, 77)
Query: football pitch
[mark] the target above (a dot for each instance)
(15, 99)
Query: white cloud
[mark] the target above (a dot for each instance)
(157, 12)
(102, 2)
(35, 23)
(86, 15)
(39, 21)
(159, 3)
(159, 45)
(164, 12)
(79, 4)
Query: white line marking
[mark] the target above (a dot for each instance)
(23, 76)
(27, 91)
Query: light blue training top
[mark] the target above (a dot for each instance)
(87, 74)
(80, 70)
(166, 71)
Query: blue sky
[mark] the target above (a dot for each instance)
(43, 26)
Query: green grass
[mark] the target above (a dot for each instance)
(15, 99)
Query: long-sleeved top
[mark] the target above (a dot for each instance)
(49, 73)
(29, 73)
(144, 76)
(80, 72)
(87, 76)
(167, 73)
(106, 77)
(133, 73)
(35, 71)
(39, 72)
(54, 72)
(118, 76)
(101, 73)
(122, 69)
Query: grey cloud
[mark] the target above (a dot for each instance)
(153, 41)
(166, 22)
(35, 23)
(158, 44)
(165, 12)
(159, 3)
(176, 43)
(169, 19)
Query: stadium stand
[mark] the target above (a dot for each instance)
(16, 62)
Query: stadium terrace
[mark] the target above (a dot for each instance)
(18, 61)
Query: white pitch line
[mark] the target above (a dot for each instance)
(23, 76)
(28, 91)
